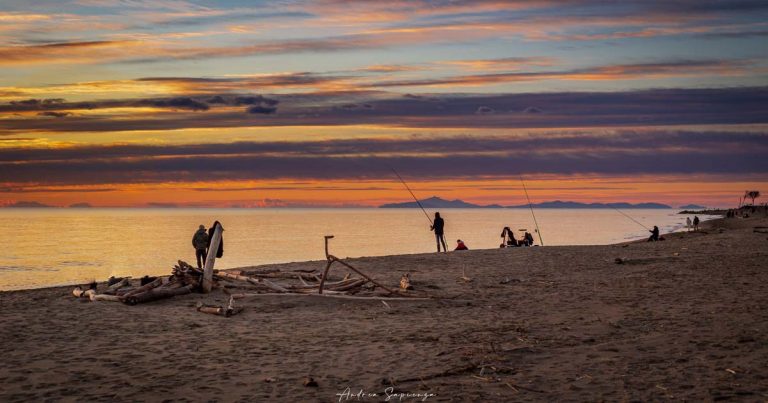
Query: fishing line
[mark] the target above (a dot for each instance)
(541, 241)
(626, 215)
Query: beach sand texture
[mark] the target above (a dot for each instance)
(683, 319)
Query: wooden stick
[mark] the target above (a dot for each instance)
(351, 285)
(343, 296)
(327, 267)
(105, 297)
(362, 274)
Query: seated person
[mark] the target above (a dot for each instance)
(460, 245)
(528, 239)
(508, 238)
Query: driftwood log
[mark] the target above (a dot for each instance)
(156, 294)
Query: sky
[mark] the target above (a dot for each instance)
(314, 103)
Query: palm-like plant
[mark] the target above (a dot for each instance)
(752, 194)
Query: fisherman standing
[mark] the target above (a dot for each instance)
(200, 243)
(438, 226)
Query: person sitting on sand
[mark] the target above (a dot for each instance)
(654, 234)
(696, 223)
(200, 243)
(528, 239)
(508, 238)
(438, 225)
(460, 245)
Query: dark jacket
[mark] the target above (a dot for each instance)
(220, 252)
(200, 239)
(438, 225)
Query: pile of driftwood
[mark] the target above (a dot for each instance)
(184, 280)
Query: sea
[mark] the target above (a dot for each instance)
(59, 246)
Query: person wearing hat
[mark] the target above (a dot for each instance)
(200, 243)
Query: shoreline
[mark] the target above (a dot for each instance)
(681, 319)
(680, 229)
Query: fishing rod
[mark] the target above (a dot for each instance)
(541, 241)
(413, 195)
(626, 215)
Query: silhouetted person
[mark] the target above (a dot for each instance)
(696, 223)
(654, 234)
(438, 226)
(220, 252)
(528, 239)
(460, 245)
(688, 223)
(508, 238)
(200, 243)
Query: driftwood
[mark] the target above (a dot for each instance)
(227, 311)
(105, 297)
(156, 294)
(157, 283)
(325, 295)
(125, 282)
(210, 260)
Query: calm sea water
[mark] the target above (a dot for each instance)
(64, 246)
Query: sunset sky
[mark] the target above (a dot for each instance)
(312, 103)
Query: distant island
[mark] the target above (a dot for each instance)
(692, 207)
(80, 205)
(27, 204)
(436, 202)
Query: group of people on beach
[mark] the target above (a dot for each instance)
(507, 235)
(692, 225)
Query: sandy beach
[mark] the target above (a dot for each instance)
(683, 319)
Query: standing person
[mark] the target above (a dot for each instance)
(438, 225)
(688, 223)
(200, 243)
(654, 234)
(696, 223)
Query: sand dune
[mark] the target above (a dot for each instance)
(683, 319)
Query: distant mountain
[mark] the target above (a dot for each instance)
(162, 205)
(27, 204)
(436, 202)
(80, 205)
(574, 205)
(692, 207)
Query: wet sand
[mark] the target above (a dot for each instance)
(682, 319)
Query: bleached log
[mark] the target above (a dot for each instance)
(156, 294)
(211, 259)
(120, 284)
(324, 295)
(146, 287)
(105, 297)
